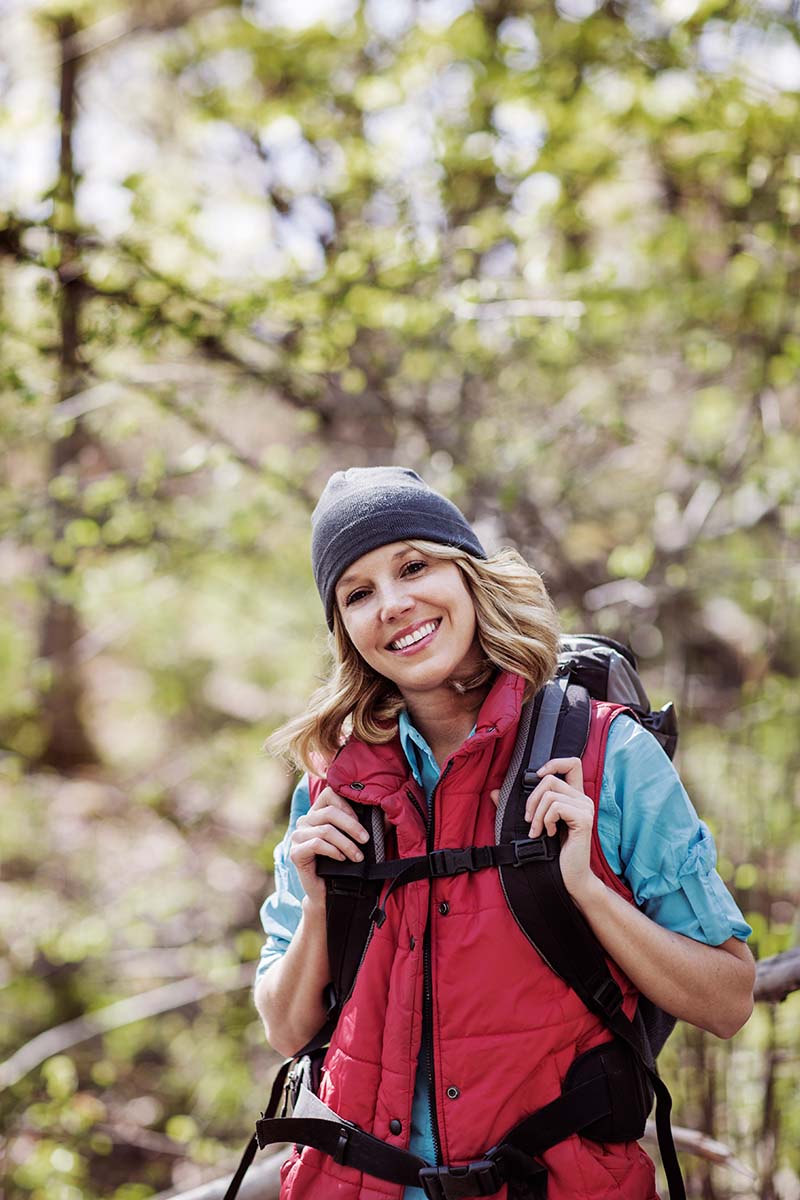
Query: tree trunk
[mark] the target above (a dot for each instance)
(67, 743)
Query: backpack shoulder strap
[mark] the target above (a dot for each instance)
(349, 904)
(558, 727)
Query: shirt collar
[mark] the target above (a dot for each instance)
(415, 748)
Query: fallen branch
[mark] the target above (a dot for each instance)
(778, 977)
(694, 1142)
(114, 1016)
(262, 1182)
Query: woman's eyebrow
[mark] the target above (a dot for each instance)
(345, 579)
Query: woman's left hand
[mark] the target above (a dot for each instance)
(555, 799)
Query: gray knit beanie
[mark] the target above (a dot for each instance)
(367, 507)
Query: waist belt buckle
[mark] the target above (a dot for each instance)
(482, 1178)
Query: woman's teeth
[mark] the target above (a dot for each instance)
(411, 638)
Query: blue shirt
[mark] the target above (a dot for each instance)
(650, 834)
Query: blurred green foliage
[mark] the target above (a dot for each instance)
(546, 253)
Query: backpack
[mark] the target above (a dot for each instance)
(608, 1091)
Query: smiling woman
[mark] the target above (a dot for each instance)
(412, 620)
(455, 1031)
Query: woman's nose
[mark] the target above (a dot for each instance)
(394, 601)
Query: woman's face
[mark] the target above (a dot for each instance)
(410, 617)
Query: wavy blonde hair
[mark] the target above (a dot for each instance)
(517, 630)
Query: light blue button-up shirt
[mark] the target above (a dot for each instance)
(649, 832)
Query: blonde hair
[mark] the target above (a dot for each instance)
(517, 629)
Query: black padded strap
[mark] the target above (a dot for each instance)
(544, 732)
(346, 1144)
(569, 1113)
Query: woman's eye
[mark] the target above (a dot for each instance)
(414, 568)
(355, 596)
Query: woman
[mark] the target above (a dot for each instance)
(455, 1028)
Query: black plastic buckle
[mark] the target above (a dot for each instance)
(608, 997)
(482, 1178)
(457, 862)
(540, 849)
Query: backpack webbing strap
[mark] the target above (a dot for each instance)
(252, 1146)
(438, 864)
(346, 1144)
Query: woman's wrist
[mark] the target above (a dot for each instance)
(589, 893)
(314, 910)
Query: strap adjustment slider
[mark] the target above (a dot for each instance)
(541, 849)
(608, 997)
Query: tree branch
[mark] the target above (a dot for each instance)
(114, 1016)
(778, 977)
(262, 1182)
(695, 1142)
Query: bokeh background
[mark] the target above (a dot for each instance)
(549, 255)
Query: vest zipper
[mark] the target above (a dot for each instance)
(417, 806)
(427, 1022)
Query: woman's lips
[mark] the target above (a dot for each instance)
(405, 651)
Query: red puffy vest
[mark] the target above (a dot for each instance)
(506, 1028)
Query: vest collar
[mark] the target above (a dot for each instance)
(381, 774)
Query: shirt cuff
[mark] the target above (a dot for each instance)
(696, 903)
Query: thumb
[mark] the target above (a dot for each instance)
(495, 795)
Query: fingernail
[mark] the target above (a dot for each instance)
(363, 836)
(359, 856)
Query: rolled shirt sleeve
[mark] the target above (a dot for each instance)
(281, 911)
(652, 837)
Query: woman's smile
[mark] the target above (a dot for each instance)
(415, 637)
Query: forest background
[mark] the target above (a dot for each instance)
(547, 254)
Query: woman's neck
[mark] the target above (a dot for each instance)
(445, 717)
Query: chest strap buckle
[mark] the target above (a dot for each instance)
(457, 862)
(482, 1178)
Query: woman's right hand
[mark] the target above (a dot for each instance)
(330, 828)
